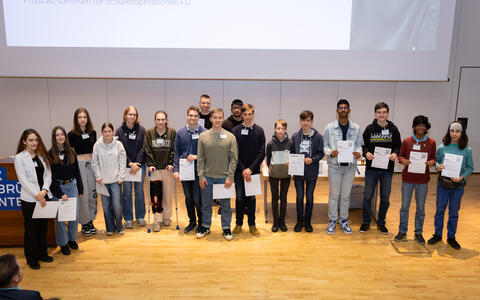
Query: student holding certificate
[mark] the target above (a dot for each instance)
(108, 163)
(217, 162)
(35, 177)
(251, 152)
(382, 144)
(278, 150)
(417, 154)
(343, 143)
(131, 134)
(66, 183)
(186, 143)
(450, 189)
(308, 142)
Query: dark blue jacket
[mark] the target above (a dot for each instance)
(316, 152)
(134, 148)
(185, 145)
(251, 148)
(16, 293)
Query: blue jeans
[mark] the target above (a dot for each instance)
(371, 180)
(452, 198)
(139, 198)
(207, 199)
(112, 207)
(340, 179)
(310, 188)
(193, 200)
(421, 191)
(64, 232)
(243, 202)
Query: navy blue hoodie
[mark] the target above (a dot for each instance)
(133, 147)
(315, 152)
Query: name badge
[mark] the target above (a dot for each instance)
(244, 131)
(160, 142)
(109, 152)
(416, 147)
(61, 156)
(223, 135)
(85, 136)
(385, 132)
(132, 136)
(195, 136)
(35, 164)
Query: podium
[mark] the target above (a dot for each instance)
(11, 217)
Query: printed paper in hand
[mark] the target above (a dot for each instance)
(220, 192)
(380, 159)
(345, 151)
(296, 165)
(417, 162)
(67, 210)
(453, 165)
(49, 211)
(253, 187)
(279, 157)
(135, 178)
(102, 189)
(187, 170)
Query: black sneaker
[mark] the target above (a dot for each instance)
(283, 227)
(364, 228)
(93, 230)
(383, 229)
(434, 239)
(274, 227)
(34, 265)
(73, 245)
(190, 228)
(419, 238)
(308, 227)
(65, 250)
(453, 242)
(400, 236)
(298, 227)
(219, 211)
(227, 234)
(216, 202)
(47, 259)
(202, 232)
(86, 231)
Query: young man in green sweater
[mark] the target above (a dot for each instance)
(216, 164)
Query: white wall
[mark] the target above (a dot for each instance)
(43, 103)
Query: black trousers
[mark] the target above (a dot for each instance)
(35, 237)
(156, 193)
(279, 217)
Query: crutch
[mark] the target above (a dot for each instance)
(149, 202)
(176, 206)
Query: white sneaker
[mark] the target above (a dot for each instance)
(166, 222)
(121, 231)
(129, 224)
(156, 227)
(227, 234)
(141, 222)
(345, 227)
(331, 226)
(109, 233)
(202, 232)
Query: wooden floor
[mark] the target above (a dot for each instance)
(169, 264)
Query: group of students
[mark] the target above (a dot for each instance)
(226, 151)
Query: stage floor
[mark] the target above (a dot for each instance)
(170, 264)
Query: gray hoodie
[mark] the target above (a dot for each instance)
(108, 161)
(278, 170)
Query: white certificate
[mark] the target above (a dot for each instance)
(187, 170)
(135, 178)
(67, 210)
(102, 189)
(220, 192)
(279, 157)
(417, 162)
(49, 211)
(345, 151)
(253, 187)
(453, 164)
(380, 159)
(296, 165)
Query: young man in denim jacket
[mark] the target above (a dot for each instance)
(341, 173)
